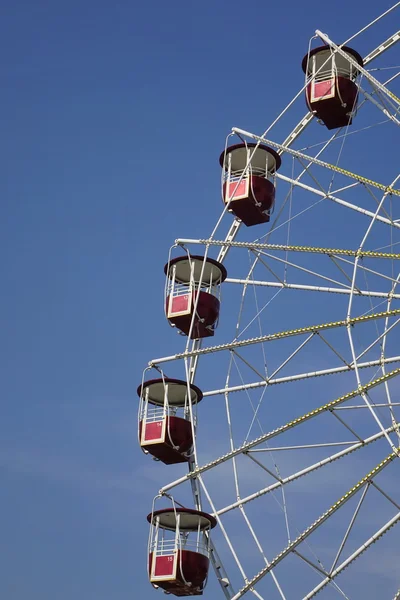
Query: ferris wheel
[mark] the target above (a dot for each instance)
(283, 402)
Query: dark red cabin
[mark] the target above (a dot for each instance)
(249, 186)
(179, 550)
(331, 92)
(193, 294)
(165, 427)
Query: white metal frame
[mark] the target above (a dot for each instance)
(350, 323)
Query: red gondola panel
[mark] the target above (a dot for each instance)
(333, 101)
(182, 573)
(252, 200)
(167, 439)
(180, 311)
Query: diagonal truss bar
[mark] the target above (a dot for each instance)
(288, 248)
(348, 531)
(319, 162)
(290, 425)
(379, 105)
(374, 538)
(294, 476)
(310, 563)
(307, 532)
(337, 200)
(299, 376)
(385, 495)
(277, 336)
(288, 263)
(367, 269)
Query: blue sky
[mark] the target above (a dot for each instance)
(113, 116)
